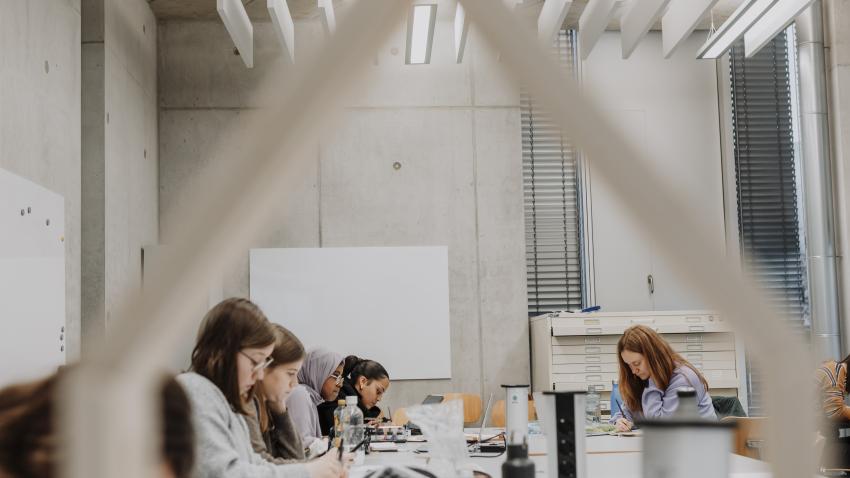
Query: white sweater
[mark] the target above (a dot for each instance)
(223, 444)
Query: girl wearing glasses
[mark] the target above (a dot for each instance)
(320, 380)
(368, 380)
(233, 349)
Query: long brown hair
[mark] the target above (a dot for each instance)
(287, 349)
(232, 325)
(660, 357)
(29, 444)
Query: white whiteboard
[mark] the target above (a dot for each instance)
(389, 304)
(32, 280)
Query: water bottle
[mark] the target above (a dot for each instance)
(353, 430)
(337, 429)
(592, 406)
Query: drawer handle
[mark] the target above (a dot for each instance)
(592, 350)
(593, 378)
(593, 368)
(697, 364)
(592, 340)
(692, 320)
(592, 359)
(696, 328)
(693, 357)
(694, 347)
(693, 338)
(591, 321)
(642, 321)
(593, 331)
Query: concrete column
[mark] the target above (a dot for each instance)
(836, 15)
(818, 185)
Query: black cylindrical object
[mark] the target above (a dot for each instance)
(518, 465)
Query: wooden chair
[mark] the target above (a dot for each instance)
(497, 417)
(749, 436)
(471, 406)
(400, 417)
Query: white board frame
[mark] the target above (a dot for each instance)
(390, 304)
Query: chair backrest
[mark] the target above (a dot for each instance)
(497, 416)
(728, 407)
(400, 417)
(749, 436)
(471, 406)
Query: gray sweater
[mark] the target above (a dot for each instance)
(223, 444)
(281, 443)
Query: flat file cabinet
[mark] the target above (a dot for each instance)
(579, 351)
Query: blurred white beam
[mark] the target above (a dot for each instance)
(771, 23)
(679, 22)
(285, 28)
(461, 30)
(238, 25)
(551, 19)
(637, 21)
(592, 23)
(328, 15)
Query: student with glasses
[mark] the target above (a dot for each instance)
(320, 380)
(233, 349)
(366, 379)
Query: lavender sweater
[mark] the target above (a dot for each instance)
(659, 403)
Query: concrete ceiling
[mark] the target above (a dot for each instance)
(308, 9)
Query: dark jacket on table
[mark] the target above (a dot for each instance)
(326, 410)
(281, 443)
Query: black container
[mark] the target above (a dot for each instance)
(518, 465)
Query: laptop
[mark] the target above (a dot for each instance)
(494, 447)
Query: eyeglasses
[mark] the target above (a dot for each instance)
(258, 365)
(337, 377)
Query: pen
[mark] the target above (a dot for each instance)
(340, 450)
(358, 445)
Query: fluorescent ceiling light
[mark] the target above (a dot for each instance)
(238, 25)
(592, 23)
(461, 30)
(420, 34)
(736, 25)
(637, 21)
(328, 15)
(680, 21)
(551, 20)
(774, 21)
(282, 19)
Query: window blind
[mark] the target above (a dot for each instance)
(552, 216)
(768, 221)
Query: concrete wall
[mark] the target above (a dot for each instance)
(455, 130)
(40, 120)
(120, 197)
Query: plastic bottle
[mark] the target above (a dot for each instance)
(592, 406)
(353, 430)
(337, 429)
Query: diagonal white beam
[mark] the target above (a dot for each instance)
(592, 23)
(637, 21)
(238, 25)
(262, 157)
(738, 23)
(328, 16)
(771, 23)
(461, 30)
(679, 22)
(551, 19)
(668, 219)
(284, 26)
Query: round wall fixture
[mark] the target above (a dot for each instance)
(396, 165)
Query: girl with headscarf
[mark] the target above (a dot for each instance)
(320, 380)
